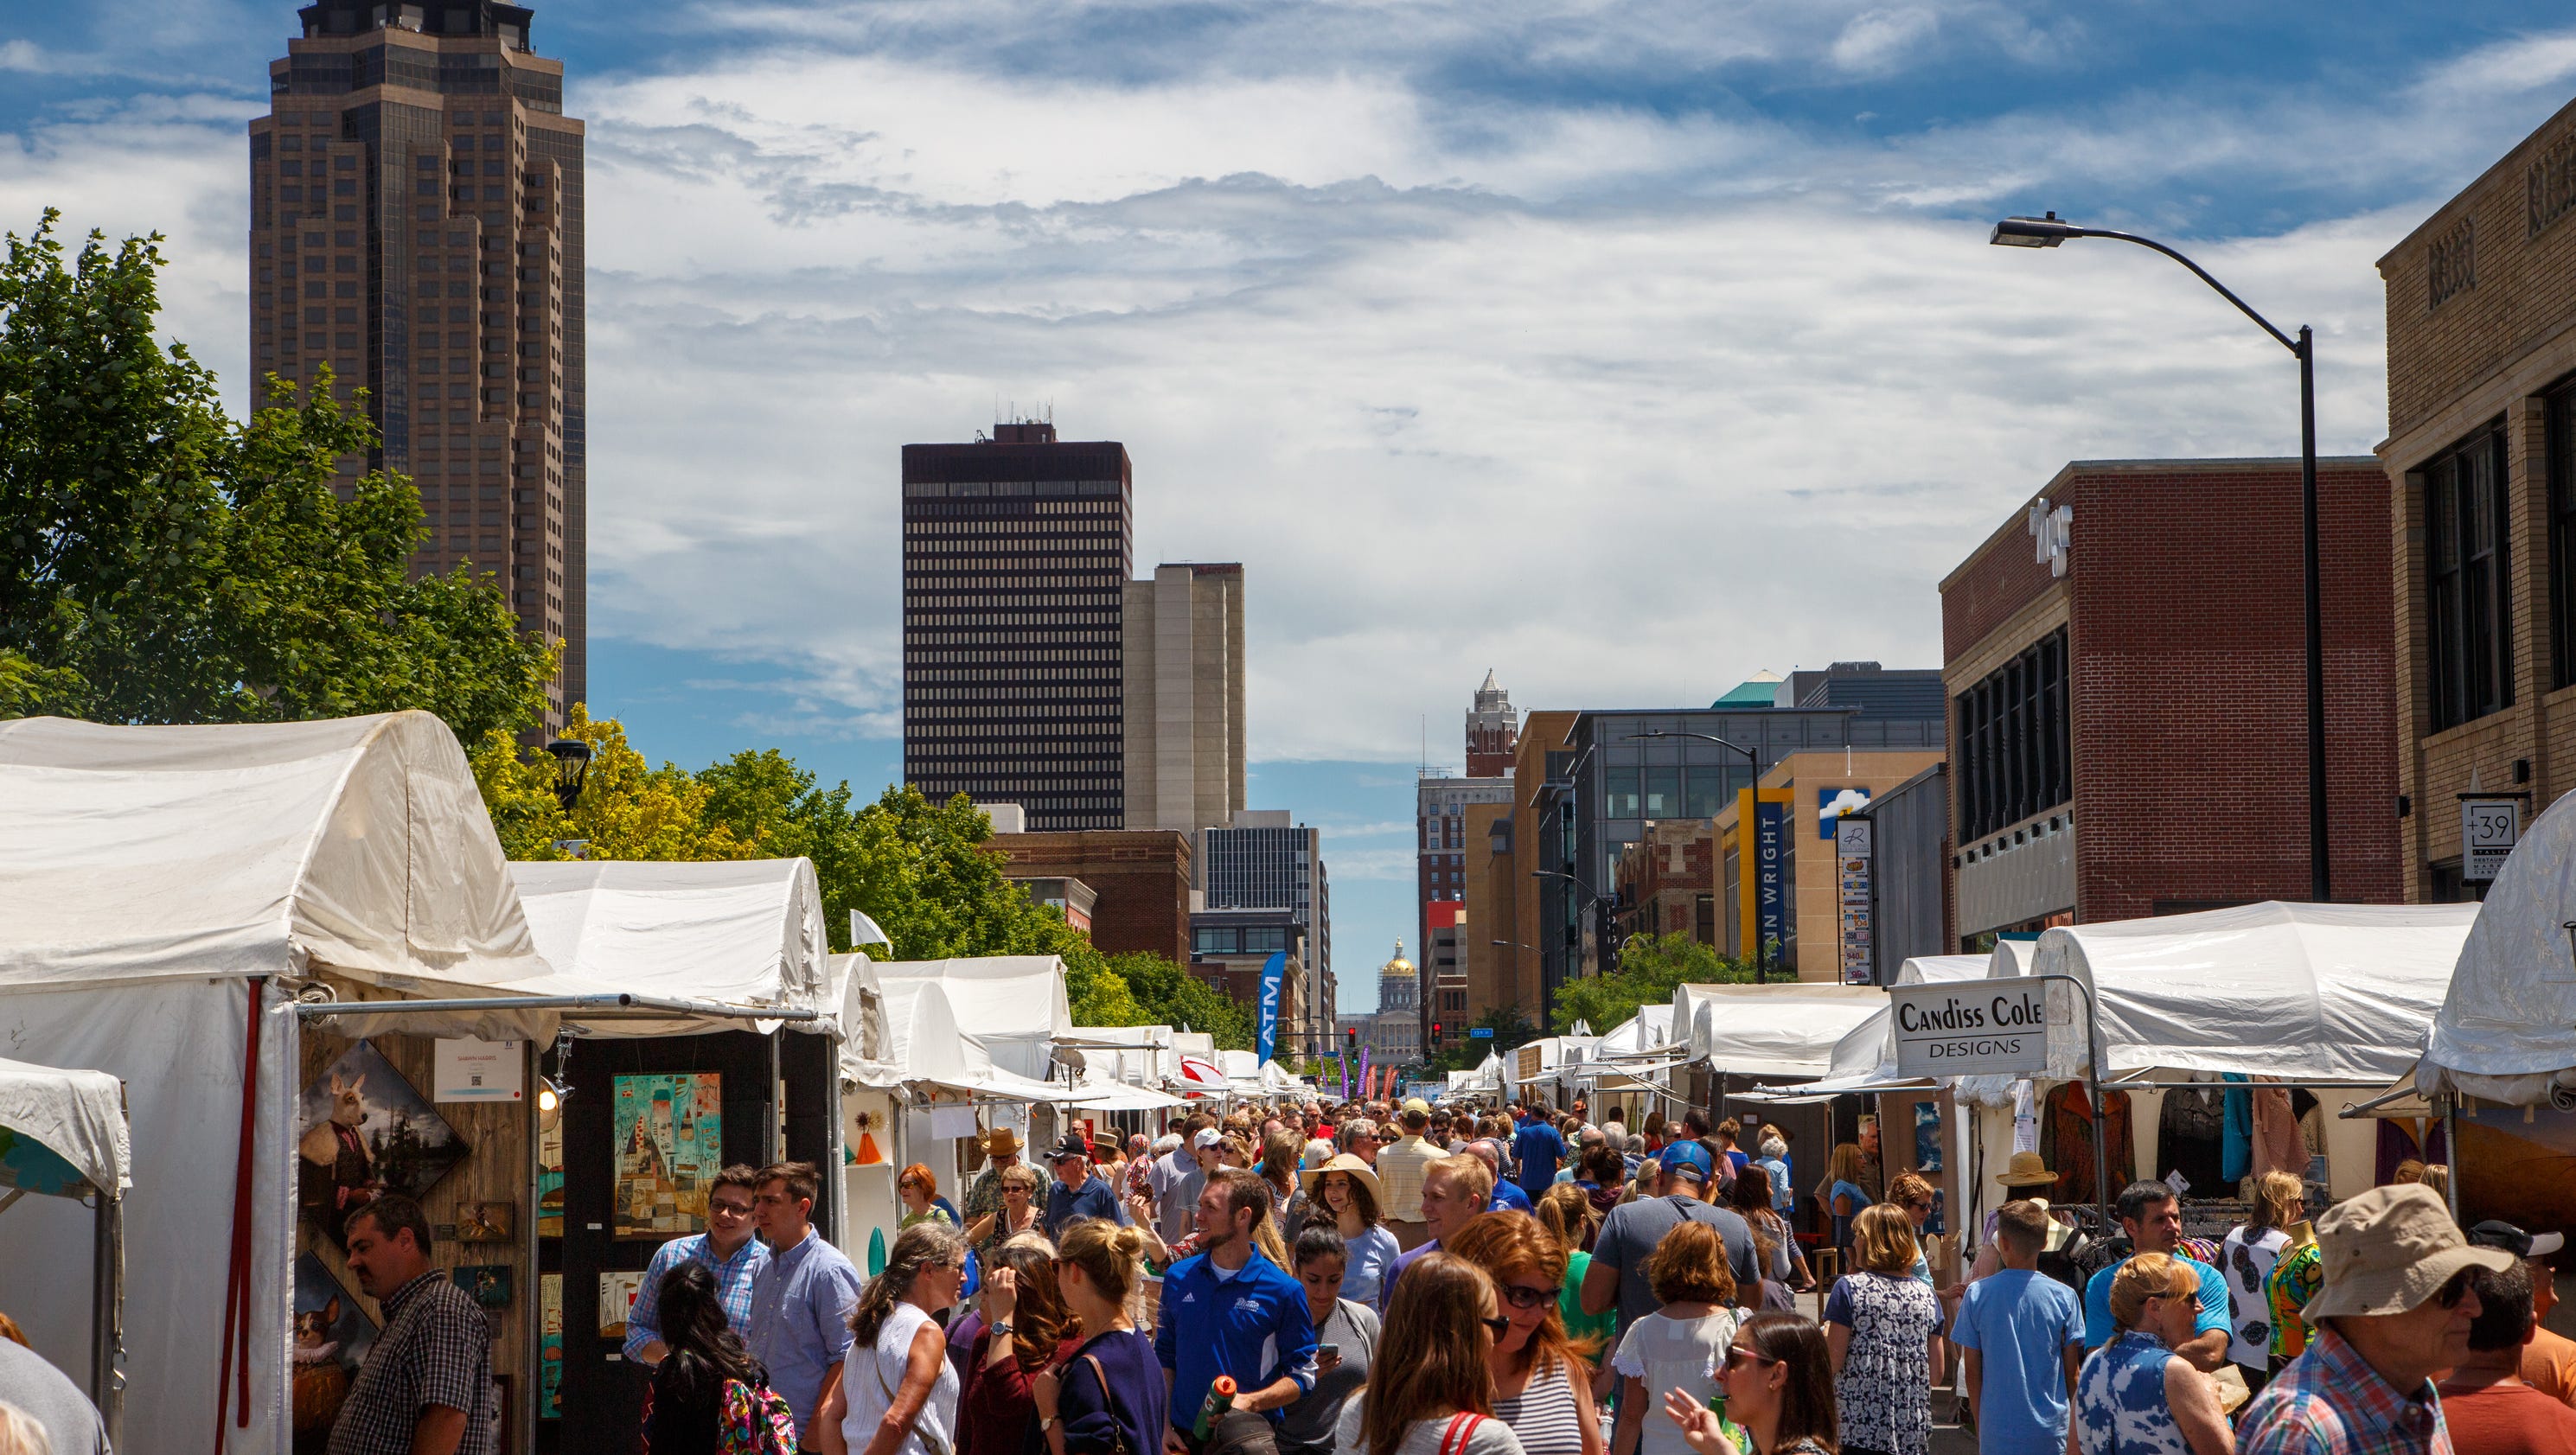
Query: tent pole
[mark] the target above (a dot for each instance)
(2451, 1149)
(107, 1314)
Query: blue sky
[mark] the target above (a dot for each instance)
(1623, 346)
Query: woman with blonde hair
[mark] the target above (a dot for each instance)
(2245, 1259)
(1541, 1385)
(1883, 1328)
(2136, 1396)
(1021, 1204)
(1844, 1195)
(1431, 1387)
(1109, 1395)
(1680, 1344)
(1572, 1217)
(898, 1393)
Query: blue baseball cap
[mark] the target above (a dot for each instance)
(1687, 1159)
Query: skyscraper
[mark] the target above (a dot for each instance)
(416, 224)
(1263, 860)
(1015, 558)
(1184, 704)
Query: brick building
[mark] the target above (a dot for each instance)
(1667, 881)
(2481, 458)
(2130, 652)
(1140, 882)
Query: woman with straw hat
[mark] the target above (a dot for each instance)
(1344, 1193)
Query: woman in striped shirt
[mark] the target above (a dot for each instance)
(1542, 1388)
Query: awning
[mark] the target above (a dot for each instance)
(62, 1132)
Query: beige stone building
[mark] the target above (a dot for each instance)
(1183, 704)
(2481, 457)
(1815, 783)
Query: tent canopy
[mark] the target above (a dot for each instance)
(923, 1044)
(2307, 993)
(62, 1132)
(740, 933)
(1012, 1006)
(357, 845)
(2506, 1028)
(1770, 1030)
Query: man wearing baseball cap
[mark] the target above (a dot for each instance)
(1617, 1277)
(2395, 1310)
(1077, 1192)
(2548, 1360)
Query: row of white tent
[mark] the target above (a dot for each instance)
(177, 903)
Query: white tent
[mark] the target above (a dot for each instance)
(1012, 1006)
(158, 887)
(1785, 1029)
(1865, 1058)
(2312, 994)
(741, 934)
(926, 1043)
(2506, 1028)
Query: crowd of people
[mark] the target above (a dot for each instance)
(1375, 1280)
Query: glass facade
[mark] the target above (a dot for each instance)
(2014, 758)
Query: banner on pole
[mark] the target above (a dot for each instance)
(1271, 974)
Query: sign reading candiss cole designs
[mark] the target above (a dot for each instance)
(1973, 1028)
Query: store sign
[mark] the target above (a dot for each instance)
(1853, 862)
(2489, 828)
(1979, 1028)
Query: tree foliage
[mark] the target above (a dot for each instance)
(165, 564)
(921, 870)
(1649, 967)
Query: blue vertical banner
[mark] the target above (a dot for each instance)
(1271, 974)
(1770, 880)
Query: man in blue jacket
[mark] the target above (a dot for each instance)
(1538, 1148)
(1228, 1310)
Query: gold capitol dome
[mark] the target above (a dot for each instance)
(1398, 966)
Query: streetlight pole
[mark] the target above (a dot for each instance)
(1753, 765)
(2048, 232)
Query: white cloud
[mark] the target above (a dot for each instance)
(1881, 40)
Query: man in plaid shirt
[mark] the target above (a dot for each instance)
(426, 1388)
(2395, 1311)
(728, 1250)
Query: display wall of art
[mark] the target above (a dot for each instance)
(668, 1135)
(364, 1130)
(550, 1177)
(332, 1336)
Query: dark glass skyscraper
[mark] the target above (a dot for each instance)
(416, 223)
(1016, 551)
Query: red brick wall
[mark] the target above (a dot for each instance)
(2000, 578)
(1142, 879)
(2188, 678)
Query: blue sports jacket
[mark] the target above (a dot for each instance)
(1253, 1327)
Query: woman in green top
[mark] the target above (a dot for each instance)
(916, 1186)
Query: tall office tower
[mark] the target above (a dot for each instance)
(416, 223)
(1184, 707)
(1493, 731)
(1015, 557)
(1260, 860)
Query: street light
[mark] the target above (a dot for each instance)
(572, 765)
(2048, 232)
(1761, 947)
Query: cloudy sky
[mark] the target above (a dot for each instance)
(1623, 346)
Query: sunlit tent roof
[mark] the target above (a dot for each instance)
(1786, 1029)
(737, 933)
(357, 845)
(1012, 1006)
(2506, 1027)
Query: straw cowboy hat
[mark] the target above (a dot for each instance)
(1001, 1142)
(2389, 1249)
(1360, 1171)
(2025, 1170)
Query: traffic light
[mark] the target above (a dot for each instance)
(1435, 1038)
(1351, 1041)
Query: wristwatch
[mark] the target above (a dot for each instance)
(1002, 1328)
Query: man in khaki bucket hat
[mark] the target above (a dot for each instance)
(2393, 1315)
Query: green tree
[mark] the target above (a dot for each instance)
(164, 564)
(1649, 967)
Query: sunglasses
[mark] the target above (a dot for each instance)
(1497, 1326)
(1520, 1297)
(2455, 1290)
(1737, 1354)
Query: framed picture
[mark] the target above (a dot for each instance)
(550, 1178)
(668, 1132)
(488, 1282)
(617, 1293)
(332, 1336)
(487, 1222)
(550, 1330)
(366, 1131)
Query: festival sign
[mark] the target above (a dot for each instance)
(1973, 1028)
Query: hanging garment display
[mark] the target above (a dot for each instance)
(2066, 1141)
(2278, 1145)
(2188, 1133)
(2236, 1148)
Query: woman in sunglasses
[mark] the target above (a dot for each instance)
(1542, 1388)
(2136, 1396)
(1778, 1379)
(1431, 1386)
(1679, 1345)
(1019, 1212)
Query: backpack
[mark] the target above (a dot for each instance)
(754, 1420)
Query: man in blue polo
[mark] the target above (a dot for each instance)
(1537, 1150)
(2152, 1217)
(1228, 1310)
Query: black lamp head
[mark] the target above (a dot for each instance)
(2032, 232)
(572, 764)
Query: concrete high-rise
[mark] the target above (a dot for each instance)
(416, 224)
(1262, 860)
(1184, 697)
(1016, 551)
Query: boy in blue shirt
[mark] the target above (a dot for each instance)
(2022, 1341)
(1228, 1310)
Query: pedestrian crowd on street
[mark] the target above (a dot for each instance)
(1389, 1280)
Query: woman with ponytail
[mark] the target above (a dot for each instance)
(898, 1392)
(1109, 1396)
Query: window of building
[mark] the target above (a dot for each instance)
(2470, 652)
(2013, 759)
(1620, 786)
(1709, 791)
(1663, 792)
(2561, 418)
